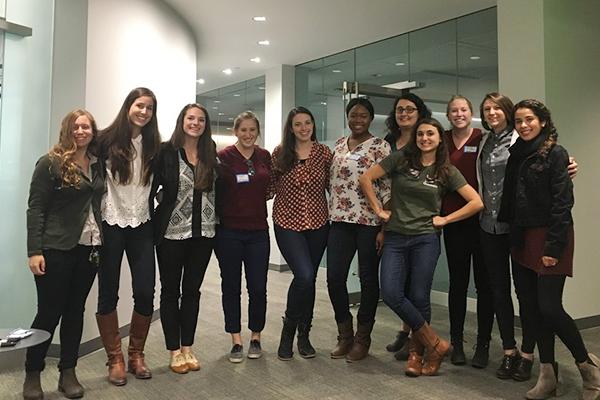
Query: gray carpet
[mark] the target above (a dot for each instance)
(379, 376)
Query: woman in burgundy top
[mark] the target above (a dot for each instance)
(301, 169)
(243, 235)
(461, 240)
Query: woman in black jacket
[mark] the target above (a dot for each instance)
(63, 239)
(537, 202)
(184, 228)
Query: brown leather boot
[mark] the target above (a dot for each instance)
(32, 387)
(108, 325)
(590, 373)
(138, 331)
(414, 364)
(436, 349)
(362, 342)
(345, 339)
(69, 385)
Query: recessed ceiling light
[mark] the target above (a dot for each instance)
(221, 113)
(201, 81)
(227, 71)
(261, 88)
(323, 103)
(215, 108)
(255, 60)
(216, 101)
(475, 57)
(399, 64)
(259, 19)
(336, 71)
(236, 95)
(264, 42)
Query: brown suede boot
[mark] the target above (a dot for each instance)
(547, 383)
(590, 373)
(69, 385)
(108, 325)
(32, 387)
(345, 339)
(414, 364)
(436, 349)
(138, 331)
(362, 342)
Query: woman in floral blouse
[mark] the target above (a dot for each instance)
(354, 227)
(301, 170)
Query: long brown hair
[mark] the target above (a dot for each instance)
(412, 152)
(287, 155)
(207, 150)
(505, 104)
(62, 153)
(115, 141)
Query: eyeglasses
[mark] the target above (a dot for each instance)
(408, 110)
(251, 170)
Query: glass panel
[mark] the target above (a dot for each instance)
(226, 103)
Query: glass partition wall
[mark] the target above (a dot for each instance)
(459, 56)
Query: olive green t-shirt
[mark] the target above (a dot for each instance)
(416, 198)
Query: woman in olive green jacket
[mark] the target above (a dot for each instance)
(63, 239)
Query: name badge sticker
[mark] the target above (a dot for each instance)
(470, 149)
(242, 178)
(353, 156)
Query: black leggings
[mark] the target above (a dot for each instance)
(540, 298)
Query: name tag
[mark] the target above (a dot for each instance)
(470, 149)
(242, 178)
(353, 156)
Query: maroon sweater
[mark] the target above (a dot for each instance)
(245, 196)
(465, 160)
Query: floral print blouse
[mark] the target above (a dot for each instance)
(347, 203)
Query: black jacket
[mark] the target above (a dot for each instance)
(56, 214)
(543, 198)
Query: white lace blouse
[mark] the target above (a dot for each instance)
(127, 205)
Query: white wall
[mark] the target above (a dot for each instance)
(138, 43)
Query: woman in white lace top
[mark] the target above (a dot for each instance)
(128, 145)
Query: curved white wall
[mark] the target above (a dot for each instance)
(138, 43)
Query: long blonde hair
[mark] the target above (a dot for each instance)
(62, 153)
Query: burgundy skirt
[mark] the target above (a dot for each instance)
(530, 255)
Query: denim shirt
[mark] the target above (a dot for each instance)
(494, 157)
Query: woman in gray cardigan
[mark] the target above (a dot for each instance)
(63, 239)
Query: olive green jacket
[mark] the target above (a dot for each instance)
(56, 214)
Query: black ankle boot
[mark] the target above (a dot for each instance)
(508, 365)
(32, 388)
(458, 353)
(481, 357)
(305, 348)
(522, 371)
(398, 343)
(285, 352)
(69, 385)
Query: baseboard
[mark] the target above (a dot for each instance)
(95, 343)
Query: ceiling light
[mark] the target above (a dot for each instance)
(336, 71)
(261, 88)
(264, 42)
(399, 64)
(221, 113)
(227, 71)
(215, 108)
(323, 103)
(236, 95)
(255, 60)
(259, 19)
(475, 57)
(216, 101)
(201, 81)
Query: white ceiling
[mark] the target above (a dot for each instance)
(299, 31)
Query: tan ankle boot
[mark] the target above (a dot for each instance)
(436, 349)
(547, 382)
(32, 387)
(108, 325)
(590, 373)
(345, 339)
(138, 332)
(414, 364)
(361, 343)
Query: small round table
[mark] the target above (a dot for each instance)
(38, 336)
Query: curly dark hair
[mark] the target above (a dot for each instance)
(286, 157)
(548, 130)
(391, 123)
(412, 152)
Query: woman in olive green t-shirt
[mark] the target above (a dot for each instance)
(421, 175)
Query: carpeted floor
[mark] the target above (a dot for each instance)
(379, 376)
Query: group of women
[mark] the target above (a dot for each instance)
(92, 198)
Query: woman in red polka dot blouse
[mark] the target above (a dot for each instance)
(300, 216)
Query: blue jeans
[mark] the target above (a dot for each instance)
(232, 247)
(303, 252)
(411, 257)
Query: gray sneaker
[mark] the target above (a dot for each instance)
(236, 355)
(254, 351)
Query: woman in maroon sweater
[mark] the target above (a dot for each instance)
(243, 235)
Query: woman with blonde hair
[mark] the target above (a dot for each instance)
(63, 241)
